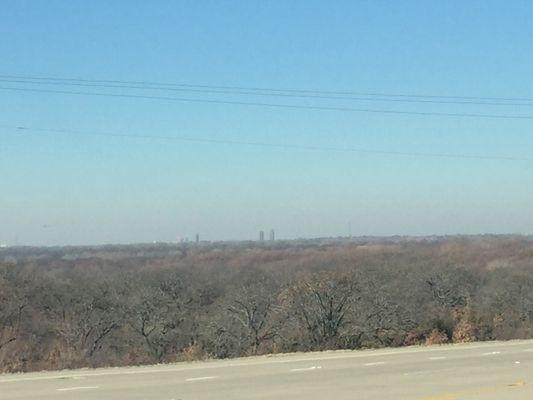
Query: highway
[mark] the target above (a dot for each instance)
(488, 371)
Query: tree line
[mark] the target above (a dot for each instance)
(232, 301)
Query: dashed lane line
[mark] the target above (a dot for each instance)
(374, 363)
(313, 368)
(201, 378)
(77, 388)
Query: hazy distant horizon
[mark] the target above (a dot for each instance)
(191, 239)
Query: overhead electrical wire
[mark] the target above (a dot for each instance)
(263, 89)
(273, 105)
(29, 129)
(251, 92)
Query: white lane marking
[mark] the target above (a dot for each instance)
(492, 353)
(374, 363)
(77, 388)
(264, 361)
(72, 377)
(424, 372)
(437, 358)
(517, 362)
(201, 378)
(429, 371)
(306, 369)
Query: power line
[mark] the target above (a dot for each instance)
(329, 92)
(28, 129)
(273, 105)
(259, 93)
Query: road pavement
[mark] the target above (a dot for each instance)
(488, 371)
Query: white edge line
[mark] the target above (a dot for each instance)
(77, 388)
(201, 378)
(306, 369)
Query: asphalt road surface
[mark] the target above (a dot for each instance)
(488, 371)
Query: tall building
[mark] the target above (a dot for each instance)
(261, 236)
(197, 238)
(272, 235)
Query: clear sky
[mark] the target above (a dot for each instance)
(73, 189)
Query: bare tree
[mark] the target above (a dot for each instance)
(251, 313)
(380, 318)
(451, 288)
(158, 309)
(82, 316)
(12, 305)
(322, 304)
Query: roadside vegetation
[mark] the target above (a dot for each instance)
(131, 305)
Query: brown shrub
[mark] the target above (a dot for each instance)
(436, 337)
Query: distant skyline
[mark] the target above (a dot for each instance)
(66, 188)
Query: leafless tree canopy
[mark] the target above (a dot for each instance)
(129, 305)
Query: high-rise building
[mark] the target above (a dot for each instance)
(272, 235)
(261, 236)
(197, 238)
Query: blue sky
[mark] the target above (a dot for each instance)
(72, 189)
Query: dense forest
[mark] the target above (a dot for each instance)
(130, 305)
